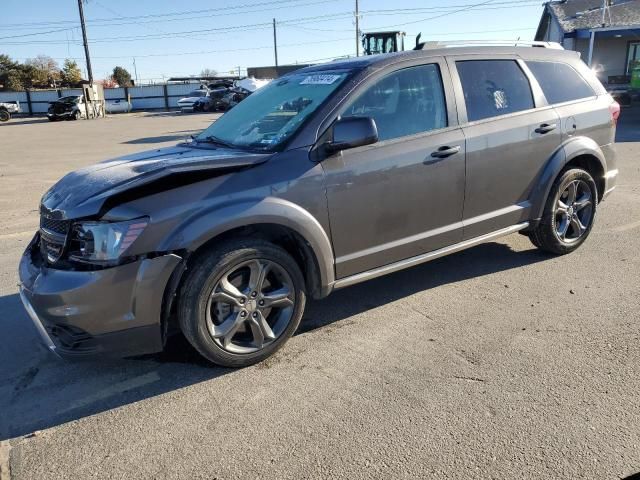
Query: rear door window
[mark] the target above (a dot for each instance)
(560, 82)
(493, 87)
(405, 102)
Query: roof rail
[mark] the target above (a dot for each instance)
(491, 43)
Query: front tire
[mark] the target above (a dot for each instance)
(241, 301)
(5, 116)
(569, 213)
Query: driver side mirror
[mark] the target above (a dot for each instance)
(352, 132)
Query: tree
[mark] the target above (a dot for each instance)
(11, 74)
(13, 80)
(71, 74)
(121, 76)
(208, 72)
(42, 71)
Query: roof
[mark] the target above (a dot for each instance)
(585, 14)
(358, 63)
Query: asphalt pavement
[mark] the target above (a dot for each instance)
(496, 362)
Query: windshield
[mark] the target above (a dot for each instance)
(198, 93)
(72, 98)
(270, 115)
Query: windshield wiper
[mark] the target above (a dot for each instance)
(216, 140)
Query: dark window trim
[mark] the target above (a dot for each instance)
(534, 89)
(393, 72)
(325, 126)
(565, 102)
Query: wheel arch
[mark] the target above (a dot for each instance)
(580, 152)
(276, 220)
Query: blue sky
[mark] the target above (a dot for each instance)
(181, 38)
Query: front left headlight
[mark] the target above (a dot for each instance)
(104, 242)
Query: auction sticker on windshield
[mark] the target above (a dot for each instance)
(319, 79)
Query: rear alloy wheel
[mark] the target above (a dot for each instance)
(241, 302)
(569, 213)
(572, 212)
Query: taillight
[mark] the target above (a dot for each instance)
(614, 109)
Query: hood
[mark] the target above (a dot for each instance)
(251, 84)
(189, 99)
(84, 192)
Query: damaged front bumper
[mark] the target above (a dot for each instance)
(114, 311)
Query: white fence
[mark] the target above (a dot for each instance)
(151, 97)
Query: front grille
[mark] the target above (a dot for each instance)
(53, 237)
(61, 108)
(60, 227)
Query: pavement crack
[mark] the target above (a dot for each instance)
(470, 379)
(422, 313)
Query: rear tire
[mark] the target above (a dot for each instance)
(569, 213)
(241, 301)
(5, 116)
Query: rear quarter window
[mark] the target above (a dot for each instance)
(560, 82)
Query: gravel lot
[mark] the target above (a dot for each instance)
(497, 362)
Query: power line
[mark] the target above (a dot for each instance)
(464, 9)
(236, 11)
(40, 33)
(217, 30)
(204, 52)
(445, 10)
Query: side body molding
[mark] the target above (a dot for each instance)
(572, 148)
(197, 230)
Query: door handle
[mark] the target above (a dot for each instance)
(545, 128)
(444, 152)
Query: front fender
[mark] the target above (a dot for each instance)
(572, 148)
(197, 230)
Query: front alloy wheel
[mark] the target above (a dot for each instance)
(250, 306)
(241, 301)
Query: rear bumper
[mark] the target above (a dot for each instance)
(611, 175)
(116, 311)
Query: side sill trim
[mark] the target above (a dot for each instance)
(425, 257)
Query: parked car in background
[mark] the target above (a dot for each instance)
(330, 176)
(117, 106)
(68, 108)
(213, 101)
(221, 84)
(240, 90)
(9, 108)
(233, 97)
(201, 97)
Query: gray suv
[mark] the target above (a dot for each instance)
(329, 176)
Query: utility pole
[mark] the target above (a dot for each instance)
(275, 42)
(135, 69)
(86, 45)
(357, 30)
